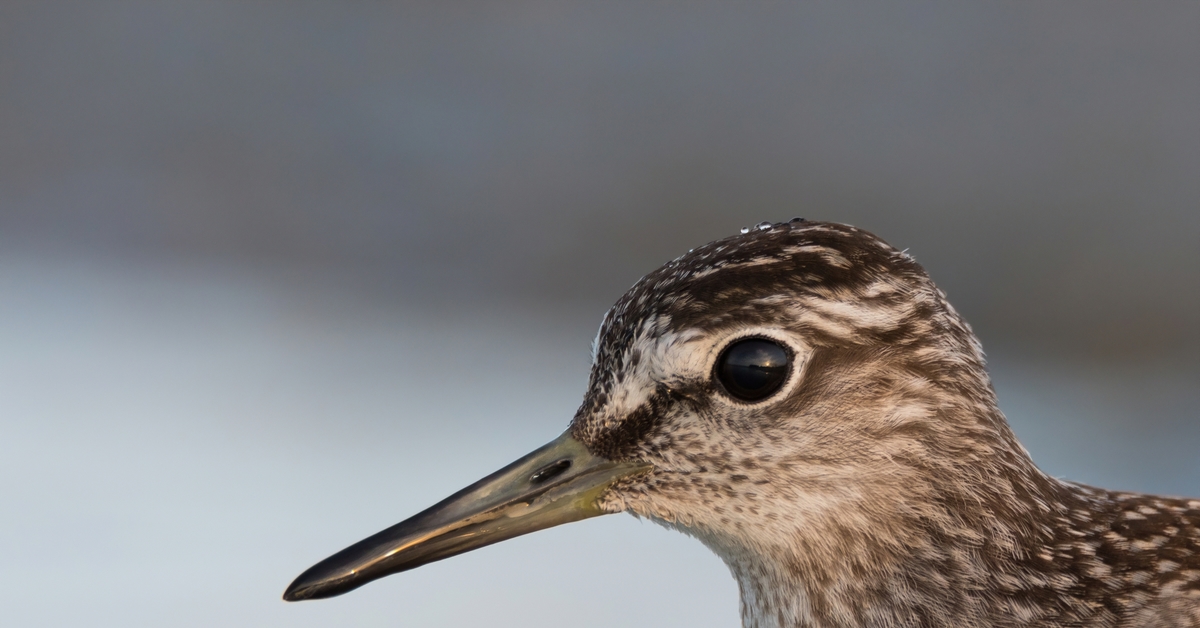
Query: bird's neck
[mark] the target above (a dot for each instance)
(929, 578)
(919, 551)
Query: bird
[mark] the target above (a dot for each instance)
(802, 399)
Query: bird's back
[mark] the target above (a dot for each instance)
(1123, 559)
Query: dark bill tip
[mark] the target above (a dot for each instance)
(302, 590)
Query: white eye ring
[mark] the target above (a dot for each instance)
(798, 354)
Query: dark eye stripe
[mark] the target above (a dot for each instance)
(752, 369)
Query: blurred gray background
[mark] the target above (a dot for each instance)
(276, 275)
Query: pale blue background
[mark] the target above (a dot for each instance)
(274, 276)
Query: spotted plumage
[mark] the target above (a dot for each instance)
(804, 400)
(881, 486)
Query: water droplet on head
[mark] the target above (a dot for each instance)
(764, 226)
(745, 229)
(796, 220)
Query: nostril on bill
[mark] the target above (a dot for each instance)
(551, 470)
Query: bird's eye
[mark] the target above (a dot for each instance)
(753, 369)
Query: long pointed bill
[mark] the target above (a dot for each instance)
(559, 483)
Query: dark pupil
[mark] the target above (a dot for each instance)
(752, 369)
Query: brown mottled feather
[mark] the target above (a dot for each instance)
(882, 486)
